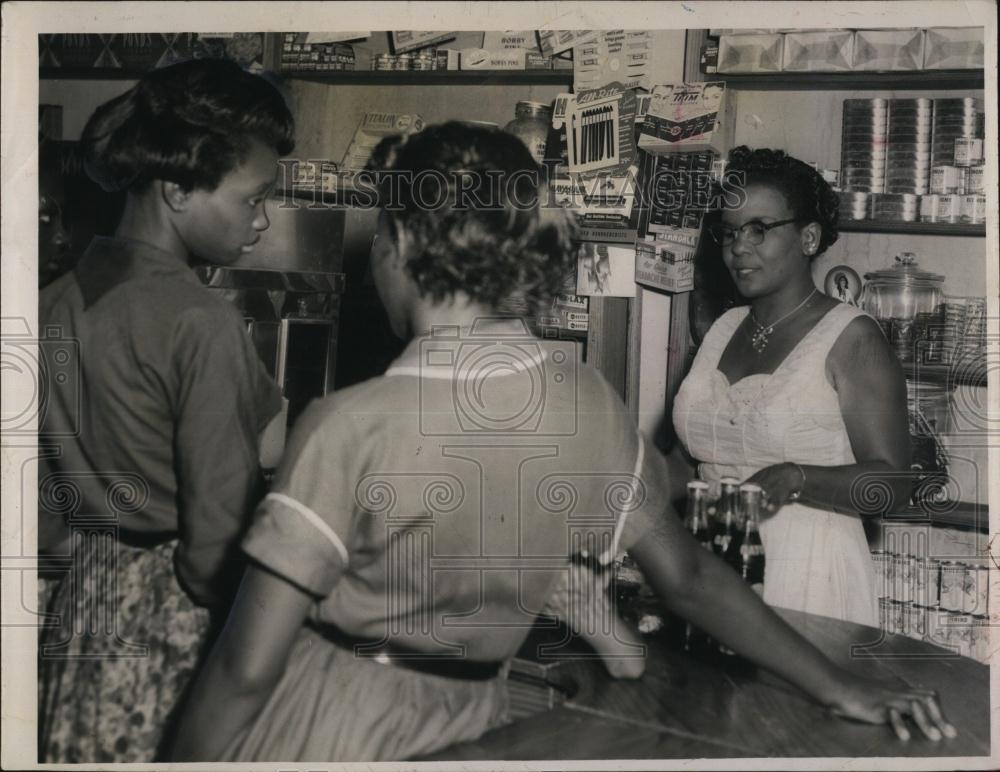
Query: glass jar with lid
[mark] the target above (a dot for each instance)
(909, 305)
(531, 125)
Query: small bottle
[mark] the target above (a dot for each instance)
(752, 561)
(696, 522)
(726, 533)
(696, 517)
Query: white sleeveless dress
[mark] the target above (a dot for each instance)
(817, 561)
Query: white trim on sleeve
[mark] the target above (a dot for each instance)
(610, 555)
(318, 522)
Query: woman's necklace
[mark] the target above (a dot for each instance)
(760, 336)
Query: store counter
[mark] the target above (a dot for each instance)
(685, 707)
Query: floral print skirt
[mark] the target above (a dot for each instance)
(115, 661)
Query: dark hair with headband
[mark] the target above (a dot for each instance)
(190, 123)
(471, 203)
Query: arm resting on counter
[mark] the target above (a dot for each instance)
(700, 587)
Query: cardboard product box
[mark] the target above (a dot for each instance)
(750, 53)
(828, 51)
(413, 40)
(688, 118)
(483, 59)
(888, 49)
(372, 129)
(954, 48)
(664, 265)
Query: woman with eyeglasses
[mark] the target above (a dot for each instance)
(798, 393)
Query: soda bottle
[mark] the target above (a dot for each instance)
(726, 536)
(752, 561)
(696, 518)
(696, 522)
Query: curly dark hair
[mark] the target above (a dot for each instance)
(809, 196)
(190, 123)
(470, 200)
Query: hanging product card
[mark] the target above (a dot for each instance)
(511, 40)
(554, 42)
(600, 129)
(629, 57)
(687, 117)
(605, 270)
(605, 208)
(412, 40)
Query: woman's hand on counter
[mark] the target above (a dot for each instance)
(876, 702)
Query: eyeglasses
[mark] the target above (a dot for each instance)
(754, 232)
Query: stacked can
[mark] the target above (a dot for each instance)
(853, 205)
(863, 148)
(953, 119)
(895, 207)
(909, 148)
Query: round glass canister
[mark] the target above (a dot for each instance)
(909, 304)
(531, 124)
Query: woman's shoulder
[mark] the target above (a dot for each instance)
(722, 329)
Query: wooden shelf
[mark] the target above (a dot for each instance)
(921, 228)
(968, 372)
(436, 77)
(854, 81)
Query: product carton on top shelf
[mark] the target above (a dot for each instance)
(827, 51)
(954, 48)
(750, 53)
(888, 49)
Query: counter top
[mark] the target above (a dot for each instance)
(685, 707)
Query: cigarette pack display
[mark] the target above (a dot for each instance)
(664, 265)
(750, 53)
(975, 179)
(899, 49)
(953, 48)
(826, 51)
(688, 117)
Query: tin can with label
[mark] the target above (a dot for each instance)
(915, 621)
(952, 586)
(925, 582)
(884, 615)
(945, 179)
(968, 151)
(975, 179)
(960, 634)
(975, 590)
(981, 638)
(973, 209)
(928, 207)
(897, 617)
(949, 208)
(880, 559)
(902, 578)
